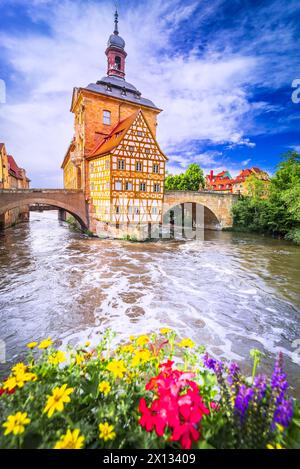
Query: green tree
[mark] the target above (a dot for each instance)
(256, 188)
(279, 214)
(191, 180)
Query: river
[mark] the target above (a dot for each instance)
(231, 292)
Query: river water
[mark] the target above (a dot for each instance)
(231, 292)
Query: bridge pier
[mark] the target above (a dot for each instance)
(62, 214)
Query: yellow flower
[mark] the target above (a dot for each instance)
(57, 357)
(104, 387)
(186, 343)
(32, 344)
(142, 340)
(18, 380)
(280, 427)
(277, 446)
(87, 344)
(141, 357)
(45, 343)
(71, 440)
(165, 330)
(131, 338)
(56, 401)
(19, 368)
(16, 423)
(127, 348)
(117, 368)
(79, 359)
(106, 432)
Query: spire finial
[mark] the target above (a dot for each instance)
(116, 31)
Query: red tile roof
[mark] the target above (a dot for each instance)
(13, 167)
(107, 143)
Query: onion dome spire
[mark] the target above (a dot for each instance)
(116, 31)
(115, 52)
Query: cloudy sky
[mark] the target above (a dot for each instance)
(222, 70)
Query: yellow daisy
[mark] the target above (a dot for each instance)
(106, 432)
(56, 401)
(117, 368)
(16, 423)
(71, 440)
(104, 387)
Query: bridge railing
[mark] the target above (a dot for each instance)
(42, 190)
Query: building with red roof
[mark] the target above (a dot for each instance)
(223, 181)
(12, 177)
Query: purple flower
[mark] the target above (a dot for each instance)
(260, 386)
(244, 396)
(283, 413)
(212, 364)
(283, 407)
(233, 373)
(279, 382)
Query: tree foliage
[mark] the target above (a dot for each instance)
(191, 180)
(279, 213)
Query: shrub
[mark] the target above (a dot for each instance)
(152, 392)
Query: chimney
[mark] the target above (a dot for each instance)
(211, 175)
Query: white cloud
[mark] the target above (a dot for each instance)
(204, 98)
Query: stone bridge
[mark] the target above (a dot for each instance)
(72, 201)
(217, 206)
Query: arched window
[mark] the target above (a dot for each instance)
(106, 117)
(118, 62)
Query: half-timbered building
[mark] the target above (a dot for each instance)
(114, 156)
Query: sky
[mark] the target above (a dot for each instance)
(221, 70)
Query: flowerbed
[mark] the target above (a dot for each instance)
(153, 392)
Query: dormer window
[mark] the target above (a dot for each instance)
(106, 117)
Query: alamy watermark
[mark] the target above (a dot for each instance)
(296, 92)
(296, 345)
(2, 351)
(2, 92)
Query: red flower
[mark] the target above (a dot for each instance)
(146, 419)
(6, 391)
(186, 434)
(172, 409)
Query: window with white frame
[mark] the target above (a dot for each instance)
(142, 186)
(156, 188)
(106, 117)
(107, 185)
(154, 211)
(117, 209)
(128, 186)
(139, 166)
(121, 164)
(118, 185)
(156, 168)
(106, 164)
(130, 210)
(136, 210)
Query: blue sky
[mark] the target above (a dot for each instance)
(221, 70)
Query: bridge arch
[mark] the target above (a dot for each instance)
(72, 202)
(217, 207)
(189, 213)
